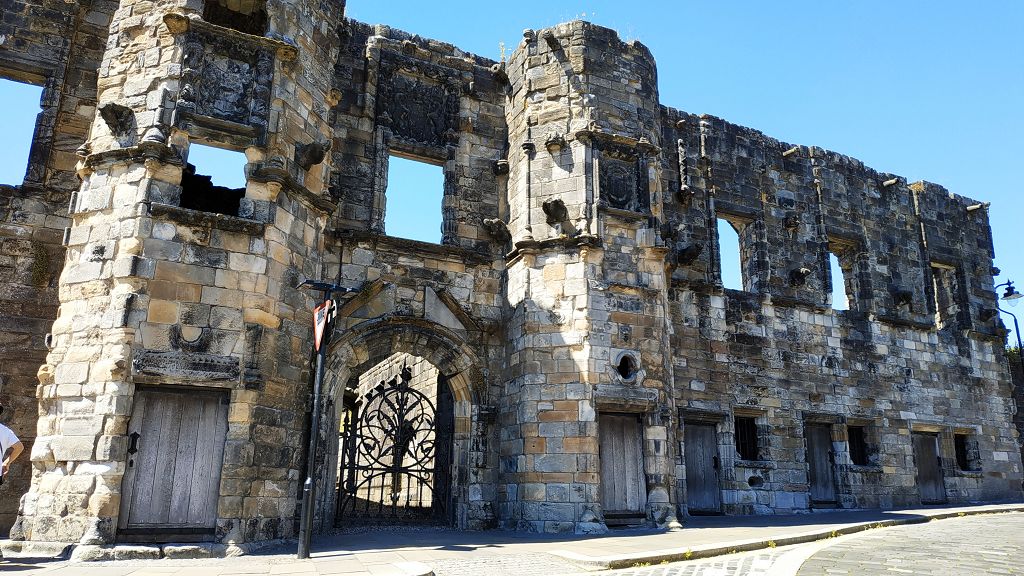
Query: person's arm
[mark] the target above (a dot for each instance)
(12, 455)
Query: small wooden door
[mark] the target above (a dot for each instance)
(176, 449)
(700, 446)
(820, 463)
(623, 488)
(929, 469)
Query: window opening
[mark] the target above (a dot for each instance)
(840, 297)
(746, 438)
(249, 16)
(627, 367)
(18, 117)
(413, 197)
(966, 453)
(944, 288)
(857, 438)
(729, 254)
(222, 186)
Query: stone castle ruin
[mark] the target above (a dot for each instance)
(566, 358)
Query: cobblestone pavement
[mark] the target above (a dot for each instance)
(976, 545)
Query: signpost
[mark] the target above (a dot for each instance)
(323, 315)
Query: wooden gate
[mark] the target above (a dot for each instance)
(821, 463)
(623, 488)
(700, 445)
(175, 452)
(929, 469)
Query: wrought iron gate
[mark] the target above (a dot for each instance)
(395, 455)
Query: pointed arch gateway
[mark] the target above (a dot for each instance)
(397, 447)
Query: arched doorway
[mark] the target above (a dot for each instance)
(398, 425)
(395, 445)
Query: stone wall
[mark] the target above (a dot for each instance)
(894, 361)
(58, 46)
(424, 374)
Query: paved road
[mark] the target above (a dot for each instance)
(970, 546)
(974, 545)
(757, 563)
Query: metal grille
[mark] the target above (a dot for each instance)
(746, 438)
(395, 457)
(858, 445)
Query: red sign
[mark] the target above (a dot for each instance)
(321, 314)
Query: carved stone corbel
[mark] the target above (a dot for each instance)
(176, 22)
(689, 255)
(798, 276)
(119, 119)
(309, 155)
(554, 142)
(498, 230)
(555, 211)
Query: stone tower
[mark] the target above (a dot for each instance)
(156, 294)
(586, 279)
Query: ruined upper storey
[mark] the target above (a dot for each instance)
(576, 96)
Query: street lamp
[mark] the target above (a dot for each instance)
(323, 315)
(1011, 296)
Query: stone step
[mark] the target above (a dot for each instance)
(50, 550)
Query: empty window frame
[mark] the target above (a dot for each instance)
(413, 200)
(857, 438)
(746, 438)
(840, 296)
(730, 254)
(249, 16)
(18, 117)
(213, 180)
(967, 455)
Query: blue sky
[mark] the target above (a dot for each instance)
(928, 89)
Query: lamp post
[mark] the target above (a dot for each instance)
(1011, 295)
(322, 326)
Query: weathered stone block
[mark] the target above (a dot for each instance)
(73, 448)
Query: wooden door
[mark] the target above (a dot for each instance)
(623, 488)
(820, 463)
(929, 469)
(700, 446)
(176, 449)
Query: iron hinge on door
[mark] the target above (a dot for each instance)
(133, 447)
